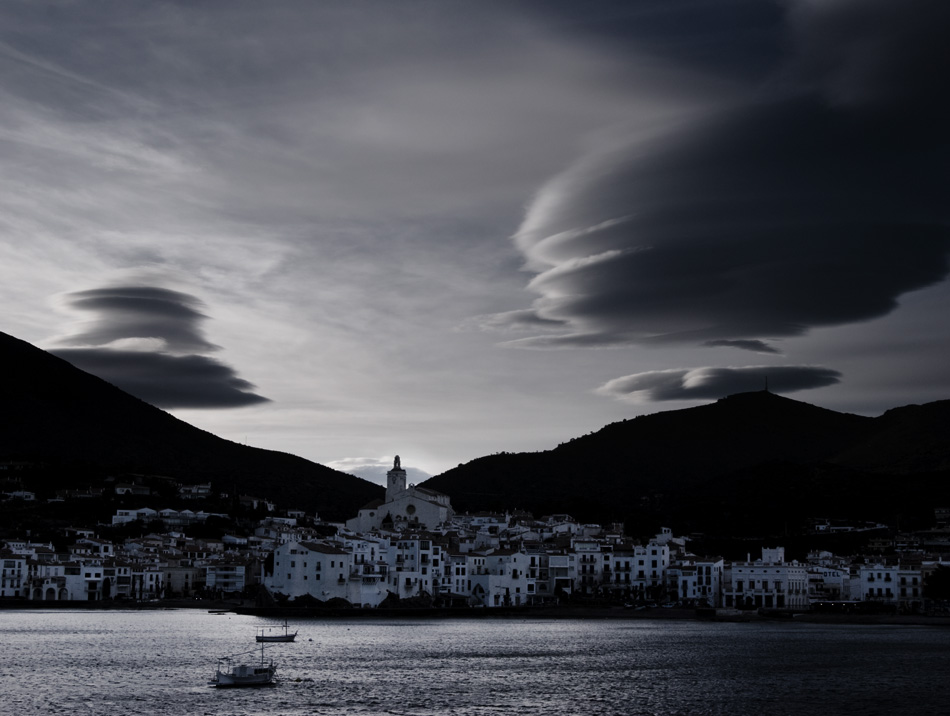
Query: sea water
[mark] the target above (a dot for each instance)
(160, 662)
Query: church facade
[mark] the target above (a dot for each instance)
(404, 506)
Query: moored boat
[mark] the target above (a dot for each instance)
(229, 674)
(286, 636)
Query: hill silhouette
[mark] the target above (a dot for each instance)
(751, 463)
(53, 413)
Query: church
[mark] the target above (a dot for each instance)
(404, 507)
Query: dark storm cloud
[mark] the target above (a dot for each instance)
(747, 345)
(167, 370)
(741, 38)
(191, 381)
(713, 383)
(817, 204)
(128, 312)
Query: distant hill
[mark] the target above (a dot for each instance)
(54, 413)
(752, 463)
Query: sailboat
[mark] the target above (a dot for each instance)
(286, 636)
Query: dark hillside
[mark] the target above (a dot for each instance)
(907, 440)
(749, 463)
(54, 413)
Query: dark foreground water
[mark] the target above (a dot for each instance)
(159, 662)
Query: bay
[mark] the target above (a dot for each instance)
(159, 662)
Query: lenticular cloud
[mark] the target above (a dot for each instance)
(817, 205)
(167, 367)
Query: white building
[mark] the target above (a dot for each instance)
(407, 507)
(319, 569)
(590, 561)
(910, 588)
(506, 581)
(416, 566)
(14, 575)
(369, 570)
(146, 514)
(876, 583)
(227, 577)
(827, 583)
(696, 580)
(767, 583)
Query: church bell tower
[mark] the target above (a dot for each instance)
(395, 481)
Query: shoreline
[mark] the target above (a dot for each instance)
(528, 612)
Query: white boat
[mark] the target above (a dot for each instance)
(286, 636)
(229, 674)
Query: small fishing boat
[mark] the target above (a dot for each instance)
(286, 636)
(230, 674)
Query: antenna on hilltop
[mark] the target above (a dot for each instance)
(766, 384)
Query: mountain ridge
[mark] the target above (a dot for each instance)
(744, 455)
(53, 412)
(749, 460)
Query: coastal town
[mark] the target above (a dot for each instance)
(412, 549)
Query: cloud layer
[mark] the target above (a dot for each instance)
(166, 367)
(375, 469)
(139, 312)
(818, 201)
(714, 383)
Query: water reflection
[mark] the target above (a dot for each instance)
(159, 662)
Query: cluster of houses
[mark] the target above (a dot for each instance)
(412, 546)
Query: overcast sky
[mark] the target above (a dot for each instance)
(353, 229)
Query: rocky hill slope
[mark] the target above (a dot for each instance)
(56, 414)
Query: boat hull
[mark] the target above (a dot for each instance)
(245, 676)
(281, 638)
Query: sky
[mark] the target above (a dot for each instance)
(444, 229)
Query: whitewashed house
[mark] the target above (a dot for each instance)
(14, 575)
(591, 561)
(910, 588)
(696, 580)
(50, 581)
(508, 583)
(767, 583)
(146, 514)
(876, 583)
(228, 577)
(827, 583)
(369, 570)
(319, 569)
(416, 565)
